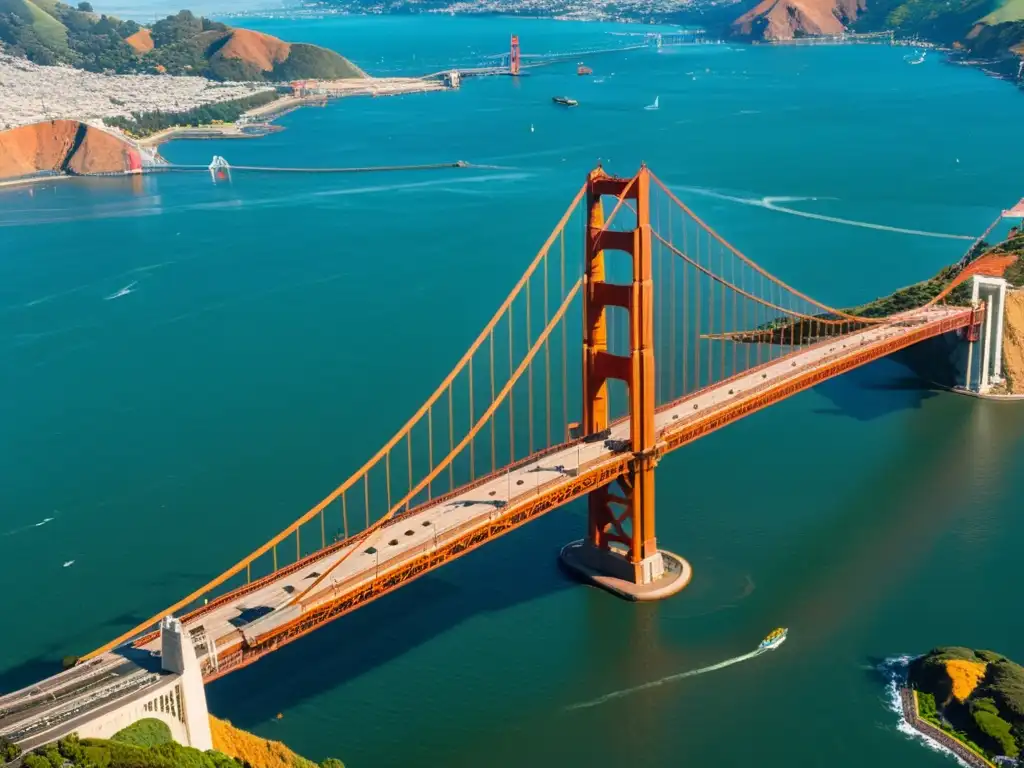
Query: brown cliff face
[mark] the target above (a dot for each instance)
(787, 19)
(141, 41)
(64, 146)
(255, 48)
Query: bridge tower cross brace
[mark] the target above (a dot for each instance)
(624, 514)
(513, 56)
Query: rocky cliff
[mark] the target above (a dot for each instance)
(787, 19)
(62, 146)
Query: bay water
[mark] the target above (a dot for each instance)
(190, 366)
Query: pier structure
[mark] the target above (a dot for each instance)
(219, 169)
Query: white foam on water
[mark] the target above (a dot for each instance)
(770, 203)
(665, 680)
(24, 528)
(895, 668)
(123, 292)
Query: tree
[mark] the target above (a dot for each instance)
(8, 750)
(85, 7)
(332, 762)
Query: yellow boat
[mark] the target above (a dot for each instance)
(774, 639)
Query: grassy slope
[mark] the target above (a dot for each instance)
(51, 32)
(1011, 10)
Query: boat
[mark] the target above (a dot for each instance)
(653, 107)
(564, 101)
(581, 69)
(774, 639)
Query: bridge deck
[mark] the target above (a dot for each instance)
(55, 706)
(262, 618)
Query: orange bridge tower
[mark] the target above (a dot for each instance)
(620, 552)
(513, 58)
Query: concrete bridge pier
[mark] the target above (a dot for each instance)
(991, 292)
(179, 657)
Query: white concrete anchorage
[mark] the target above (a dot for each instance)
(180, 701)
(991, 291)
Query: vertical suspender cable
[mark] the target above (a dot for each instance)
(529, 375)
(494, 454)
(547, 361)
(565, 350)
(511, 394)
(451, 441)
(472, 421)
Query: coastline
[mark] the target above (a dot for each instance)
(265, 114)
(908, 702)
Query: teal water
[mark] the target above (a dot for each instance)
(279, 328)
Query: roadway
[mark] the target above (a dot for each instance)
(266, 612)
(54, 707)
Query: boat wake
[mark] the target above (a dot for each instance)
(123, 292)
(771, 204)
(24, 528)
(666, 680)
(894, 669)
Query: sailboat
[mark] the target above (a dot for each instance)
(654, 106)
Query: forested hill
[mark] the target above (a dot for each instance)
(50, 32)
(985, 28)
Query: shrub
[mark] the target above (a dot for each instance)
(996, 729)
(8, 750)
(149, 732)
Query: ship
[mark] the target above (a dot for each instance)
(564, 101)
(775, 638)
(582, 69)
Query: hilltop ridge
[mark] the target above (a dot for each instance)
(992, 29)
(50, 32)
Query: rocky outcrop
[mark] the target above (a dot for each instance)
(1013, 342)
(141, 41)
(61, 146)
(787, 19)
(254, 48)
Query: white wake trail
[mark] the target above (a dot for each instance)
(769, 203)
(665, 680)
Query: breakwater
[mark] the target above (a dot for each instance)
(908, 701)
(359, 169)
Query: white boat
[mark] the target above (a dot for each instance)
(654, 106)
(775, 638)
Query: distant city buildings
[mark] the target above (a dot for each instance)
(31, 93)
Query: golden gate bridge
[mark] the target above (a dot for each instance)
(635, 330)
(514, 62)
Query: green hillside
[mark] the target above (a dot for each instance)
(975, 696)
(51, 32)
(36, 27)
(983, 28)
(1011, 10)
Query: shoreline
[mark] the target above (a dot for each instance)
(266, 114)
(908, 703)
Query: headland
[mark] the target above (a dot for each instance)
(969, 701)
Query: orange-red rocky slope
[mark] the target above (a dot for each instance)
(60, 145)
(255, 48)
(786, 19)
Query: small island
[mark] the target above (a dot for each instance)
(970, 701)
